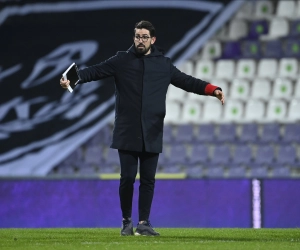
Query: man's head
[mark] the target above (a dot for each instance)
(144, 37)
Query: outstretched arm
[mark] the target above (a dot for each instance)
(99, 71)
(96, 72)
(195, 85)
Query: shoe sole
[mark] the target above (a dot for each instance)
(131, 234)
(137, 234)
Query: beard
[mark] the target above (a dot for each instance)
(141, 49)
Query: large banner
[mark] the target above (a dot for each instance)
(40, 123)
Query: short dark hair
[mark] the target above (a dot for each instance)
(145, 25)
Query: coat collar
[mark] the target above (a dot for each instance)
(155, 51)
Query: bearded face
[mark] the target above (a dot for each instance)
(143, 41)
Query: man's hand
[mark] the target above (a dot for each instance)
(64, 83)
(219, 94)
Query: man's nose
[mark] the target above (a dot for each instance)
(140, 39)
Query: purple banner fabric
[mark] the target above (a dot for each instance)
(95, 203)
(281, 205)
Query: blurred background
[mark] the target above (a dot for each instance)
(236, 165)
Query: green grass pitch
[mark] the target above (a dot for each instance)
(171, 238)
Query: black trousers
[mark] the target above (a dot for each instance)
(129, 167)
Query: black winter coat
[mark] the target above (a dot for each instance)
(141, 87)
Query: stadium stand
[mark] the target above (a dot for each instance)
(241, 156)
(206, 133)
(199, 155)
(249, 133)
(255, 59)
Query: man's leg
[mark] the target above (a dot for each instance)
(148, 165)
(128, 162)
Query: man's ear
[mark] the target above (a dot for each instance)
(153, 39)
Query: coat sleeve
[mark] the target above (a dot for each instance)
(99, 71)
(191, 84)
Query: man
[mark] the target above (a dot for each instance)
(142, 75)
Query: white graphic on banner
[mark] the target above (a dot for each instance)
(61, 58)
(7, 72)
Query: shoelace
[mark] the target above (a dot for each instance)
(149, 224)
(126, 223)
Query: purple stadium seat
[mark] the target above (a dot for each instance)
(227, 133)
(106, 134)
(242, 155)
(264, 156)
(103, 169)
(215, 172)
(291, 133)
(249, 133)
(199, 154)
(231, 50)
(258, 28)
(162, 160)
(112, 158)
(177, 155)
(206, 133)
(270, 133)
(251, 49)
(168, 134)
(195, 171)
(87, 170)
(294, 29)
(75, 157)
(65, 170)
(93, 155)
(171, 169)
(221, 155)
(259, 172)
(286, 155)
(291, 47)
(237, 172)
(282, 172)
(272, 49)
(185, 133)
